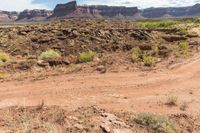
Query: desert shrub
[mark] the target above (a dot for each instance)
(155, 49)
(183, 45)
(158, 123)
(157, 24)
(87, 56)
(148, 60)
(184, 106)
(50, 54)
(191, 20)
(2, 75)
(136, 54)
(182, 31)
(172, 100)
(4, 57)
(184, 48)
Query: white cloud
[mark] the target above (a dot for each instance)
(19, 5)
(143, 3)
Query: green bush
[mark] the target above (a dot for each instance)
(4, 57)
(183, 45)
(157, 24)
(50, 54)
(148, 60)
(136, 54)
(158, 123)
(184, 48)
(87, 56)
(155, 49)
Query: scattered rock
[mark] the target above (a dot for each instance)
(122, 131)
(42, 63)
(101, 69)
(79, 126)
(22, 33)
(193, 43)
(56, 62)
(105, 128)
(172, 38)
(75, 33)
(192, 34)
(141, 35)
(25, 65)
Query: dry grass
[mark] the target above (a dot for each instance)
(158, 123)
(50, 54)
(172, 100)
(87, 56)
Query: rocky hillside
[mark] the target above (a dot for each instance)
(191, 11)
(33, 15)
(8, 16)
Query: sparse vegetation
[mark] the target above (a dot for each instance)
(191, 20)
(157, 24)
(184, 48)
(87, 56)
(172, 100)
(155, 49)
(136, 54)
(50, 54)
(184, 106)
(148, 60)
(4, 57)
(158, 123)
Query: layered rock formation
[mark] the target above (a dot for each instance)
(8, 16)
(34, 15)
(64, 9)
(191, 11)
(71, 9)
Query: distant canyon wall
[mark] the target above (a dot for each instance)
(72, 10)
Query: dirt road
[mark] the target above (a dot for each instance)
(138, 91)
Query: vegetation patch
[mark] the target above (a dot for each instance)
(172, 100)
(50, 54)
(184, 48)
(191, 20)
(157, 24)
(148, 60)
(136, 54)
(4, 57)
(158, 123)
(87, 56)
(155, 50)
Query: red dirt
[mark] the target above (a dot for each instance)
(139, 91)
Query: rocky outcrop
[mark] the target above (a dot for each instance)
(71, 9)
(34, 15)
(64, 9)
(6, 16)
(191, 11)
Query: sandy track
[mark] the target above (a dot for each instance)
(139, 91)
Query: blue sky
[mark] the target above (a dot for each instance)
(19, 5)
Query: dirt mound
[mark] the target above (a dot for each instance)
(111, 41)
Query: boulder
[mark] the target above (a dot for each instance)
(172, 38)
